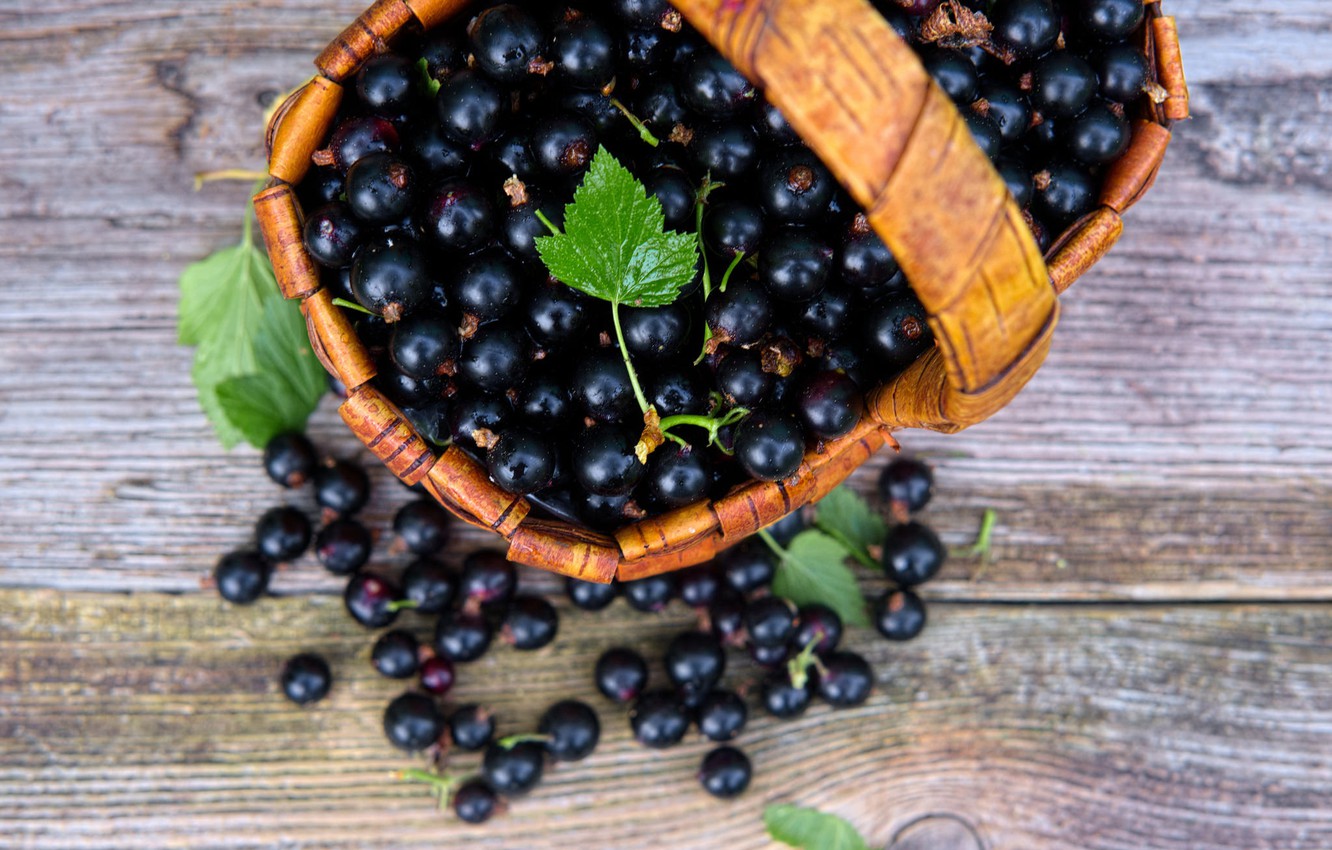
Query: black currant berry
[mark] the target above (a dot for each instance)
(985, 133)
(819, 626)
(793, 186)
(676, 193)
(471, 727)
(1065, 192)
(521, 462)
(386, 84)
(389, 277)
(424, 346)
(694, 663)
(711, 85)
(434, 154)
(896, 332)
(429, 585)
(1062, 85)
(422, 526)
(906, 484)
(654, 334)
(773, 126)
(1098, 136)
(794, 264)
(749, 566)
(677, 476)
(369, 599)
(412, 722)
(343, 546)
(1017, 178)
(645, 49)
(495, 359)
(462, 637)
(306, 678)
(727, 151)
(677, 391)
(1122, 70)
(659, 719)
(699, 585)
(396, 655)
(359, 137)
(590, 595)
(544, 400)
(475, 802)
(572, 730)
(583, 51)
(488, 578)
(846, 679)
(471, 108)
(332, 235)
(437, 675)
(342, 487)
(601, 386)
(866, 262)
(380, 188)
(722, 716)
(458, 216)
(899, 614)
(530, 623)
(830, 404)
(727, 616)
(489, 287)
(659, 106)
(1030, 27)
(604, 461)
(473, 411)
(555, 316)
(282, 534)
(741, 314)
(912, 554)
(782, 698)
(621, 675)
(770, 621)
(563, 145)
(725, 773)
(242, 577)
(650, 594)
(770, 446)
(289, 459)
(1109, 20)
(954, 73)
(770, 657)
(516, 770)
(1008, 108)
(507, 43)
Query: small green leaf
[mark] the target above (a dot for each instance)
(844, 515)
(810, 829)
(615, 246)
(223, 295)
(813, 569)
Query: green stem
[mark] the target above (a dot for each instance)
(702, 251)
(726, 278)
(624, 352)
(848, 544)
(351, 305)
(514, 740)
(402, 604)
(766, 537)
(981, 547)
(711, 424)
(643, 132)
(541, 217)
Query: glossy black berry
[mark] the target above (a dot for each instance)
(794, 264)
(726, 151)
(711, 86)
(830, 404)
(725, 773)
(555, 315)
(899, 614)
(604, 461)
(471, 727)
(488, 577)
(722, 715)
(544, 400)
(600, 386)
(242, 577)
(1065, 192)
(422, 526)
(359, 137)
(471, 108)
(433, 153)
(742, 379)
(650, 594)
(583, 51)
(748, 566)
(1109, 20)
(516, 770)
(1008, 108)
(437, 675)
(699, 585)
(659, 719)
(424, 346)
(694, 663)
(563, 145)
(770, 657)
(783, 699)
(1122, 70)
(659, 106)
(369, 598)
(396, 654)
(506, 42)
(677, 391)
(412, 722)
(380, 188)
(495, 359)
(475, 802)
(342, 487)
(490, 287)
(390, 278)
(621, 674)
(677, 195)
(770, 446)
(866, 262)
(846, 679)
(896, 333)
(332, 235)
(677, 476)
(985, 133)
(646, 48)
(770, 621)
(520, 227)
(472, 411)
(306, 678)
(912, 554)
(727, 616)
(386, 84)
(462, 637)
(793, 186)
(654, 334)
(741, 314)
(290, 459)
(1098, 136)
(820, 627)
(1062, 85)
(1017, 178)
(530, 623)
(343, 546)
(521, 461)
(429, 585)
(458, 216)
(733, 227)
(282, 534)
(954, 73)
(1030, 27)
(590, 595)
(773, 126)
(572, 730)
(906, 484)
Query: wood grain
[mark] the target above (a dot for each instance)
(159, 718)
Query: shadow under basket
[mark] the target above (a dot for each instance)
(901, 149)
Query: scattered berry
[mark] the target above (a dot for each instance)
(282, 534)
(899, 614)
(395, 654)
(722, 715)
(513, 771)
(290, 459)
(659, 719)
(471, 727)
(621, 674)
(412, 722)
(306, 678)
(242, 577)
(725, 773)
(572, 730)
(912, 554)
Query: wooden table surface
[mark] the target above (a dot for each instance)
(1147, 664)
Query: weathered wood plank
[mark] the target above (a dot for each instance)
(152, 721)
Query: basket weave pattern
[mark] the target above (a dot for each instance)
(859, 97)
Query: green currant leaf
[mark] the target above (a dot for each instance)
(844, 515)
(810, 829)
(615, 246)
(222, 297)
(813, 569)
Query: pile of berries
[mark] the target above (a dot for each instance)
(789, 655)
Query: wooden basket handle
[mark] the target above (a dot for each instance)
(860, 98)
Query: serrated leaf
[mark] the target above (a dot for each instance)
(615, 246)
(222, 297)
(810, 829)
(845, 515)
(286, 385)
(813, 569)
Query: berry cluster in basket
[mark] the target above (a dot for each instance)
(788, 654)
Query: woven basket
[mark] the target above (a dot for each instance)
(860, 98)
